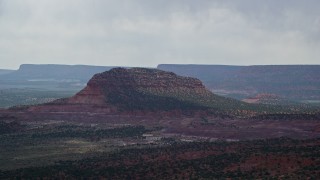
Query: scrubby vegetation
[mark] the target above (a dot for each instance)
(9, 127)
(274, 158)
(121, 137)
(87, 132)
(42, 144)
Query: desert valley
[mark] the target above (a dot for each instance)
(146, 123)
(159, 89)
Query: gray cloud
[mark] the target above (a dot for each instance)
(146, 33)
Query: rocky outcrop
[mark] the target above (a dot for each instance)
(142, 89)
(135, 89)
(146, 92)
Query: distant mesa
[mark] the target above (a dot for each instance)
(141, 89)
(158, 98)
(48, 72)
(299, 83)
(120, 86)
(5, 71)
(155, 97)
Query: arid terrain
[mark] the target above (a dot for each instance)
(159, 89)
(140, 123)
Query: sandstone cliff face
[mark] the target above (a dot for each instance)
(89, 95)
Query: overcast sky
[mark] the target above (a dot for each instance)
(150, 32)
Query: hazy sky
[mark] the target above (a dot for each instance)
(151, 32)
